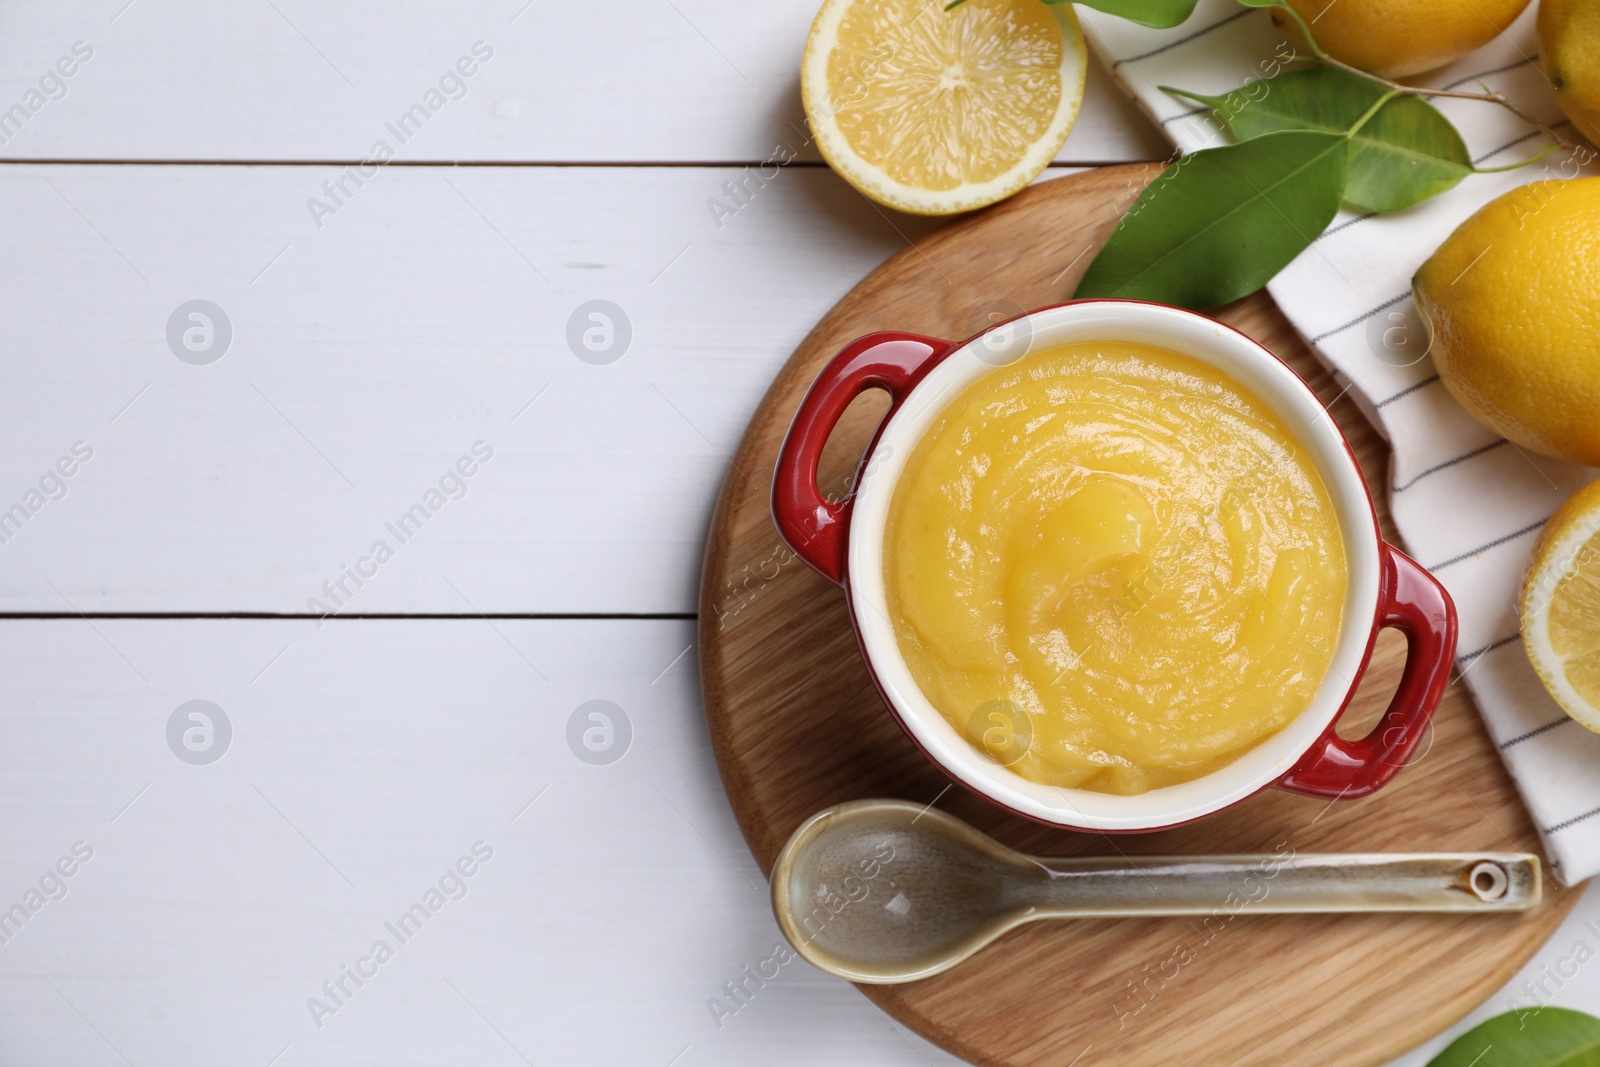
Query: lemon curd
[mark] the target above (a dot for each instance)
(1109, 566)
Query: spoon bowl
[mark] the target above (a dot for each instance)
(880, 891)
(886, 891)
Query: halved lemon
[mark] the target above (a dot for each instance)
(1561, 607)
(932, 111)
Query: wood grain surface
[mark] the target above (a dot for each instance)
(691, 81)
(796, 726)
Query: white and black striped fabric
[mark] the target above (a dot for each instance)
(1468, 504)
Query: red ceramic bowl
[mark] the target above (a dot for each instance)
(844, 542)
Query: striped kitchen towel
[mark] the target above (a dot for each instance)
(1468, 503)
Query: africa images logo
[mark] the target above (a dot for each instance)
(51, 886)
(452, 85)
(452, 885)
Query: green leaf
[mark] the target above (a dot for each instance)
(1405, 154)
(1535, 1037)
(1218, 224)
(1159, 14)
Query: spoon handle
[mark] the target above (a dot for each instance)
(1289, 882)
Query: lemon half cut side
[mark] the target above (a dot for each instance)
(933, 112)
(1561, 607)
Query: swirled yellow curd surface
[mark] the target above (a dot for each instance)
(1109, 566)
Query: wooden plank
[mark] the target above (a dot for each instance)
(369, 355)
(678, 81)
(363, 763)
(215, 903)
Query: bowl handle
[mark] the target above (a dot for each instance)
(1413, 602)
(811, 524)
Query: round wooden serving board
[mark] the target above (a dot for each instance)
(797, 726)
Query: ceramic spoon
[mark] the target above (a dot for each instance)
(886, 891)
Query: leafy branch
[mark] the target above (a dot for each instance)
(1488, 95)
(1311, 134)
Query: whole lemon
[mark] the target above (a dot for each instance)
(1398, 38)
(1512, 303)
(1569, 39)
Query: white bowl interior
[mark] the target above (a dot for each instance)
(1280, 389)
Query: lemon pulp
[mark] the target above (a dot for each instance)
(1112, 563)
(954, 100)
(1561, 606)
(934, 111)
(1574, 622)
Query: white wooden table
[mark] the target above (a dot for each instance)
(395, 354)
